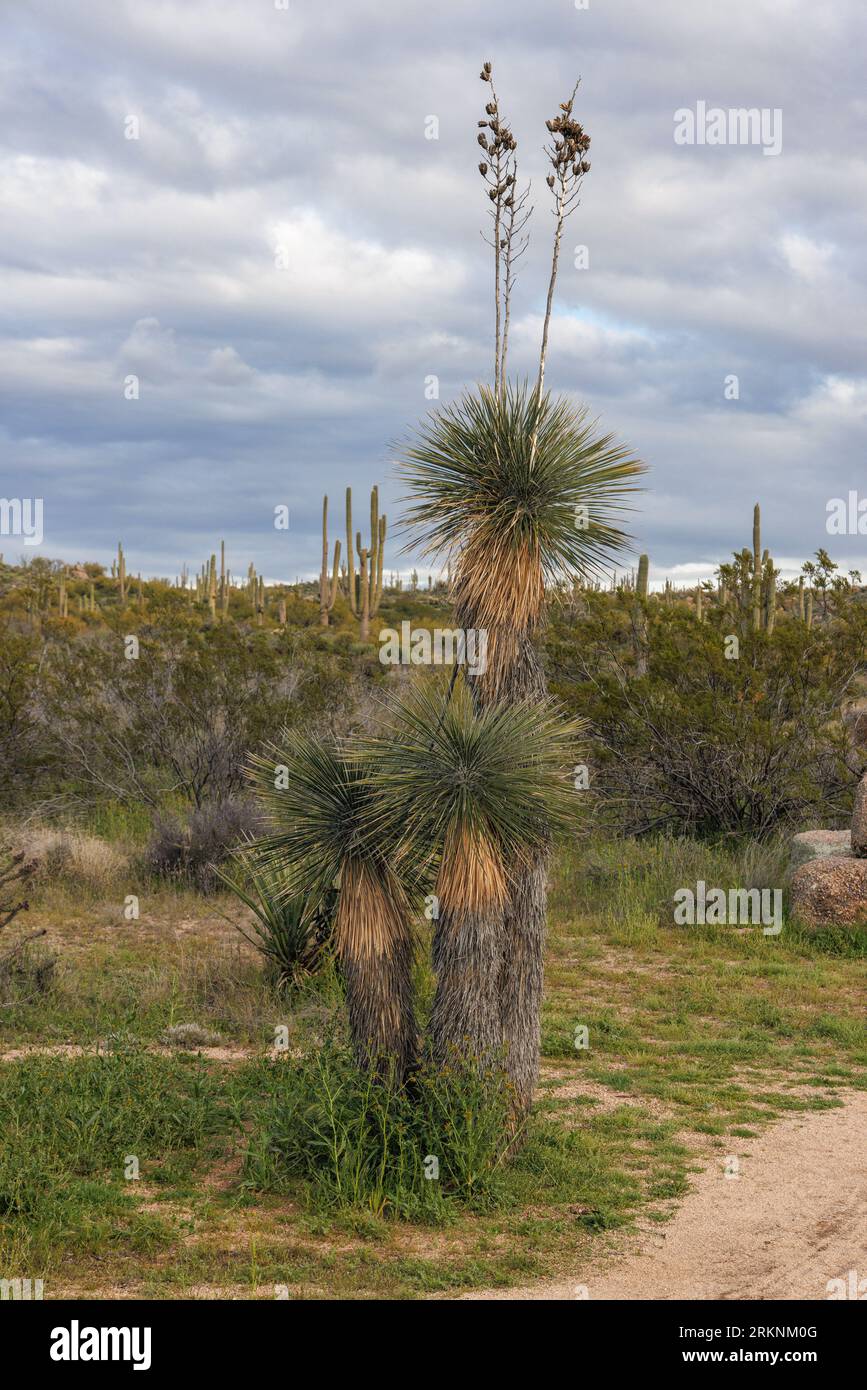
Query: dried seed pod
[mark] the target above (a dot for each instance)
(483, 169)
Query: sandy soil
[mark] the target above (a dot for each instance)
(793, 1218)
(211, 1054)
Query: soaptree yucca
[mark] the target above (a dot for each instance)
(512, 515)
(517, 489)
(471, 795)
(518, 492)
(321, 807)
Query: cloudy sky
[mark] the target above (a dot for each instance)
(282, 257)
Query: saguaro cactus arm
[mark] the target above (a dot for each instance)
(380, 554)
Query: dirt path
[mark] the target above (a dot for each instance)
(794, 1218)
(210, 1054)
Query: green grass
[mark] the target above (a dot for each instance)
(249, 1180)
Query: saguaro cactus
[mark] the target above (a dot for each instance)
(639, 616)
(770, 580)
(212, 586)
(121, 573)
(757, 568)
(327, 591)
(224, 582)
(350, 562)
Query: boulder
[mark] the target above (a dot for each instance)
(819, 844)
(859, 820)
(830, 892)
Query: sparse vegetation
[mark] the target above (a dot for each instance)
(289, 1013)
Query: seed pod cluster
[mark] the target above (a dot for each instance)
(570, 145)
(499, 144)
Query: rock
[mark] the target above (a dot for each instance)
(859, 820)
(830, 892)
(819, 844)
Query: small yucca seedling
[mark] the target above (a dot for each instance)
(292, 933)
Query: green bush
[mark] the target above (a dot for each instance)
(703, 744)
(358, 1143)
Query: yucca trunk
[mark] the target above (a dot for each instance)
(379, 1002)
(375, 949)
(521, 980)
(513, 674)
(465, 1018)
(525, 920)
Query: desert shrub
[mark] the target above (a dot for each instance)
(192, 852)
(178, 722)
(21, 745)
(25, 971)
(702, 744)
(292, 933)
(357, 1142)
(69, 858)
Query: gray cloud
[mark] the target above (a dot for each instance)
(282, 259)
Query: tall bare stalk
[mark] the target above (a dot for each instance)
(566, 154)
(509, 215)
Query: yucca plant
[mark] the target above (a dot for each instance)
(512, 519)
(470, 796)
(292, 933)
(518, 490)
(321, 808)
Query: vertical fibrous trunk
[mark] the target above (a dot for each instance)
(520, 948)
(521, 980)
(379, 1002)
(465, 1019)
(375, 949)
